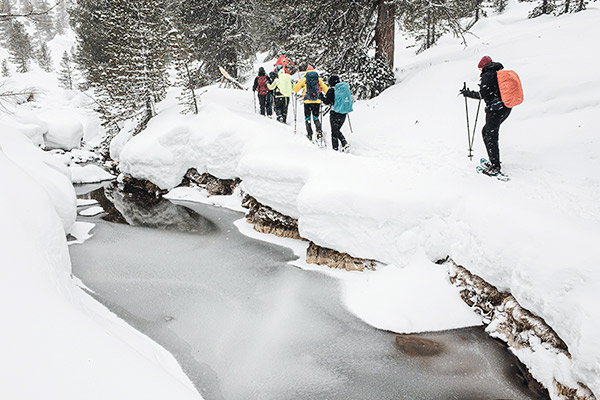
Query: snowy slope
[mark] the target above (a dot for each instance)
(409, 188)
(56, 341)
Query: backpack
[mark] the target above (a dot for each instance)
(313, 88)
(343, 98)
(510, 87)
(262, 85)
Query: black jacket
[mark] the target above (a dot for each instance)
(329, 97)
(488, 87)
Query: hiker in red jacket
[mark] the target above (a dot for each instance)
(284, 62)
(260, 86)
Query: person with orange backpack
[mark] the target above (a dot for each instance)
(260, 86)
(284, 62)
(312, 86)
(496, 111)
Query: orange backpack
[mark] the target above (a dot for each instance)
(511, 90)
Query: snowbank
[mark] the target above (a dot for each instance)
(89, 174)
(65, 131)
(57, 342)
(408, 188)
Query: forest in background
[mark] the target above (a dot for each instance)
(124, 50)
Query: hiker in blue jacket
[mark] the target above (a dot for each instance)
(340, 99)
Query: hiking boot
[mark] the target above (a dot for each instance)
(319, 135)
(345, 148)
(492, 171)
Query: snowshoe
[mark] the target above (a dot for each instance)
(320, 141)
(493, 172)
(345, 148)
(485, 163)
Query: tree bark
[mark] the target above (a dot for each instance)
(384, 31)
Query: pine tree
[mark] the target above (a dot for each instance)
(124, 49)
(65, 74)
(334, 35)
(5, 9)
(5, 70)
(428, 20)
(43, 20)
(19, 46)
(500, 5)
(219, 33)
(544, 7)
(44, 58)
(571, 6)
(187, 73)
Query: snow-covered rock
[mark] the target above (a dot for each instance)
(89, 174)
(65, 131)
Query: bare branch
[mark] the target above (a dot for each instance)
(30, 14)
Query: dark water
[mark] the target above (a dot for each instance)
(244, 324)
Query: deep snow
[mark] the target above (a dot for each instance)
(409, 190)
(407, 196)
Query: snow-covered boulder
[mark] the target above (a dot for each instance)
(89, 174)
(65, 130)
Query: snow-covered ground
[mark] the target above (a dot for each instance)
(408, 192)
(406, 196)
(56, 341)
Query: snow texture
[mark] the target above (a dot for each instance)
(56, 341)
(89, 174)
(409, 192)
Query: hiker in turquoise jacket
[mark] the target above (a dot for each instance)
(339, 98)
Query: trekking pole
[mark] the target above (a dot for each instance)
(474, 127)
(254, 101)
(468, 127)
(350, 124)
(295, 111)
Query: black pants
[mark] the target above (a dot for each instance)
(311, 111)
(491, 132)
(281, 108)
(269, 105)
(337, 120)
(262, 100)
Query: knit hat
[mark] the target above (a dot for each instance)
(485, 60)
(334, 80)
(310, 68)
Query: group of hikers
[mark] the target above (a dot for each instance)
(499, 90)
(275, 90)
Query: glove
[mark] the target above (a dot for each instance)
(463, 91)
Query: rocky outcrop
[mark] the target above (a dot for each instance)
(142, 191)
(215, 186)
(266, 220)
(334, 259)
(508, 321)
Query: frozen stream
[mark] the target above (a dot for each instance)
(245, 325)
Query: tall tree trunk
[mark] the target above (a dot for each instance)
(384, 31)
